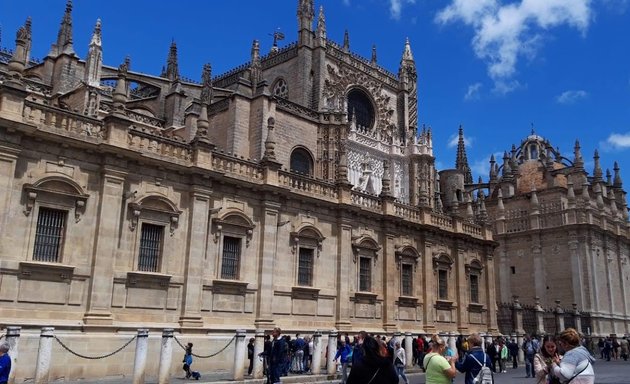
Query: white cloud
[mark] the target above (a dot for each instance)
(570, 97)
(453, 139)
(482, 167)
(473, 92)
(395, 7)
(617, 141)
(506, 32)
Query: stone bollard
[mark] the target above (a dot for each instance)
(559, 314)
(316, 363)
(13, 338)
(166, 356)
(239, 356)
(259, 347)
(452, 342)
(332, 351)
(521, 353)
(44, 353)
(483, 341)
(140, 360)
(408, 349)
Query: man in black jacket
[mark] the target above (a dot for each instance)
(278, 357)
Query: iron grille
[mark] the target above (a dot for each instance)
(474, 288)
(305, 267)
(231, 257)
(365, 274)
(407, 280)
(150, 247)
(49, 234)
(443, 284)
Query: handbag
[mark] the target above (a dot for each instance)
(375, 373)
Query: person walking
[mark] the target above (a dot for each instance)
(188, 360)
(344, 354)
(374, 366)
(513, 348)
(277, 357)
(5, 363)
(475, 359)
(530, 351)
(400, 360)
(576, 365)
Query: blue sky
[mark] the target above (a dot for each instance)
(496, 67)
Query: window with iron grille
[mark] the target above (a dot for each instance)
(49, 235)
(474, 288)
(150, 247)
(231, 257)
(442, 284)
(365, 274)
(305, 267)
(406, 280)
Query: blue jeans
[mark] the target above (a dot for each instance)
(400, 369)
(529, 365)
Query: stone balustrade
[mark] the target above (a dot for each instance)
(65, 123)
(367, 201)
(237, 167)
(306, 185)
(159, 146)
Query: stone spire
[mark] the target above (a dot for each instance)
(500, 206)
(461, 162)
(386, 190)
(407, 55)
(205, 99)
(270, 142)
(64, 36)
(94, 61)
(346, 41)
(255, 68)
(321, 26)
(608, 177)
(493, 171)
(373, 61)
(20, 57)
(305, 15)
(617, 183)
(507, 170)
(578, 161)
(597, 169)
(172, 68)
(119, 96)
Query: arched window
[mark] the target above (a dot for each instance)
(360, 109)
(301, 162)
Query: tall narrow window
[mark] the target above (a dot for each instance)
(150, 247)
(365, 274)
(305, 267)
(49, 234)
(301, 162)
(442, 284)
(474, 288)
(406, 280)
(231, 258)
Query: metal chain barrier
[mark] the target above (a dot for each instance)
(94, 357)
(206, 356)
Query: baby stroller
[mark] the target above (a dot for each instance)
(195, 375)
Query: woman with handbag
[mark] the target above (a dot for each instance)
(439, 369)
(576, 366)
(543, 362)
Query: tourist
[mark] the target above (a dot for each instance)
(344, 354)
(188, 360)
(530, 350)
(400, 360)
(623, 346)
(439, 369)
(250, 355)
(374, 366)
(513, 347)
(577, 364)
(277, 357)
(475, 360)
(5, 363)
(543, 362)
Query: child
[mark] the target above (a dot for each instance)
(188, 360)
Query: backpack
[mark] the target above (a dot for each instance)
(485, 375)
(529, 348)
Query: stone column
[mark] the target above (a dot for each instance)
(8, 160)
(239, 356)
(332, 351)
(577, 318)
(166, 356)
(266, 264)
(517, 316)
(13, 338)
(390, 277)
(316, 364)
(345, 267)
(462, 289)
(540, 317)
(452, 341)
(198, 228)
(559, 312)
(429, 290)
(44, 353)
(482, 335)
(409, 349)
(140, 360)
(259, 347)
(106, 238)
(491, 297)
